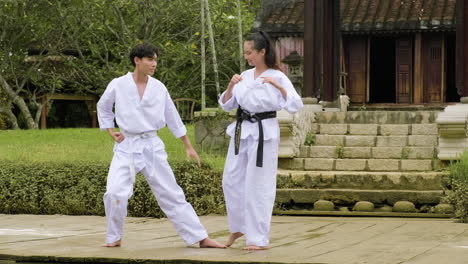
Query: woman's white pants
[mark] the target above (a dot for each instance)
(249, 191)
(170, 197)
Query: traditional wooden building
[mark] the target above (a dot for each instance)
(391, 51)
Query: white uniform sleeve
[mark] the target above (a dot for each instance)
(230, 104)
(173, 120)
(104, 107)
(293, 101)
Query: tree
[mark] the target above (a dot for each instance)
(239, 19)
(23, 29)
(80, 45)
(213, 48)
(202, 54)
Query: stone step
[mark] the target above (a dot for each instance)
(348, 213)
(377, 117)
(351, 196)
(361, 180)
(352, 164)
(368, 152)
(373, 129)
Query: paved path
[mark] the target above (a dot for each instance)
(337, 240)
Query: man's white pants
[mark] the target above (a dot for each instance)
(249, 190)
(161, 179)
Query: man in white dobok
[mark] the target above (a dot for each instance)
(142, 107)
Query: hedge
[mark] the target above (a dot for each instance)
(78, 189)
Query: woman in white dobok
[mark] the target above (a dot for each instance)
(249, 179)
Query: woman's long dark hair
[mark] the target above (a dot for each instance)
(261, 41)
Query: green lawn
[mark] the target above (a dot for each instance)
(82, 144)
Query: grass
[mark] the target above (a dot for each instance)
(84, 144)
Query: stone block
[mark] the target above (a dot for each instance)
(357, 152)
(444, 209)
(392, 141)
(314, 128)
(323, 152)
(291, 164)
(383, 164)
(359, 141)
(319, 164)
(424, 129)
(363, 129)
(304, 151)
(422, 140)
(418, 153)
(350, 164)
(385, 209)
(330, 140)
(387, 152)
(322, 205)
(363, 206)
(394, 130)
(404, 207)
(416, 165)
(333, 129)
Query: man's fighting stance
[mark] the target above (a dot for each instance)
(142, 107)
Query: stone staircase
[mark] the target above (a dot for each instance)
(387, 158)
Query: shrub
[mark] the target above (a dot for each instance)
(78, 189)
(3, 123)
(458, 185)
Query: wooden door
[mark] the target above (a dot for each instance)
(432, 57)
(404, 69)
(357, 69)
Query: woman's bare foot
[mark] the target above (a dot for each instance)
(114, 244)
(210, 243)
(233, 237)
(253, 247)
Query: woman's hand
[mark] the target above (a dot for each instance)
(272, 81)
(236, 78)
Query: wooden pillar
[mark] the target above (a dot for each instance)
(462, 49)
(310, 88)
(44, 113)
(418, 70)
(331, 49)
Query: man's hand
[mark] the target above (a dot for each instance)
(189, 150)
(117, 136)
(191, 153)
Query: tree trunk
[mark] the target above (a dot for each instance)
(18, 101)
(213, 48)
(6, 109)
(203, 55)
(241, 53)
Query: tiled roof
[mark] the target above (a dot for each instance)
(363, 16)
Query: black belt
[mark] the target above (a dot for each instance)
(251, 117)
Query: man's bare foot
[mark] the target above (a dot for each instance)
(114, 244)
(253, 247)
(233, 238)
(210, 243)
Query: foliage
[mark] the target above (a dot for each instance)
(339, 151)
(92, 38)
(77, 189)
(458, 185)
(310, 139)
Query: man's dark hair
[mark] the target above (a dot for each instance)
(143, 50)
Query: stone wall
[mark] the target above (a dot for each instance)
(210, 130)
(211, 124)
